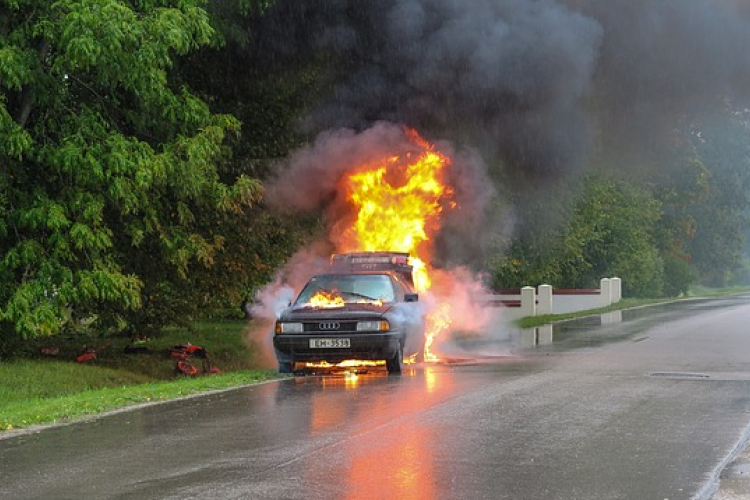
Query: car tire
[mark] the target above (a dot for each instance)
(396, 364)
(286, 367)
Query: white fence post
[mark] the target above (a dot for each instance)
(528, 337)
(544, 334)
(606, 292)
(528, 301)
(611, 317)
(545, 299)
(616, 290)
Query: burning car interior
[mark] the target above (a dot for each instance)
(338, 289)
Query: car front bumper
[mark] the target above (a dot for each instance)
(365, 346)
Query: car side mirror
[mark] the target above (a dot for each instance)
(411, 297)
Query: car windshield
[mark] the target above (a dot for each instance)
(339, 289)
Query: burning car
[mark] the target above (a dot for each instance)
(365, 308)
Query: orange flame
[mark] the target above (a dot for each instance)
(398, 204)
(330, 300)
(325, 300)
(349, 363)
(438, 321)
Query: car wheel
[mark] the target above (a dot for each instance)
(286, 367)
(396, 363)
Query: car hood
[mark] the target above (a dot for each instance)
(350, 310)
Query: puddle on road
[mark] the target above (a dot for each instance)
(589, 331)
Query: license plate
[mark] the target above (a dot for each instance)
(329, 343)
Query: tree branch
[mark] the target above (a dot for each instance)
(27, 93)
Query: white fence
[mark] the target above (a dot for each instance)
(529, 301)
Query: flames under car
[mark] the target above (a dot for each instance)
(367, 311)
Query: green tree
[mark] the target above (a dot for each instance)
(719, 215)
(612, 233)
(703, 186)
(608, 229)
(270, 91)
(108, 162)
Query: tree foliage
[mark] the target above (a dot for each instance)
(108, 161)
(720, 214)
(612, 233)
(659, 228)
(608, 230)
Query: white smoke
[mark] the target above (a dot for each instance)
(271, 300)
(457, 295)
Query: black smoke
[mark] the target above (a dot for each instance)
(527, 82)
(506, 77)
(664, 64)
(527, 90)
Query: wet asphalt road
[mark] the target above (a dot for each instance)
(651, 405)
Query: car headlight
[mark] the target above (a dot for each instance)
(289, 327)
(373, 326)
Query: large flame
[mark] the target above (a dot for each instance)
(398, 203)
(327, 300)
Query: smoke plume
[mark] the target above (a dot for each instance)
(506, 77)
(664, 64)
(528, 83)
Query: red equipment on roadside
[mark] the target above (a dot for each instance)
(182, 353)
(89, 353)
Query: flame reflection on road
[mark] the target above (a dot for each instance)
(400, 467)
(399, 462)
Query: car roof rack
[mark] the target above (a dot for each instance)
(361, 262)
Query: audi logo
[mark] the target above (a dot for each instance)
(329, 325)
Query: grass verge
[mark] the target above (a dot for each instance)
(72, 406)
(38, 390)
(533, 321)
(698, 292)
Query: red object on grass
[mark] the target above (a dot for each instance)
(182, 353)
(187, 368)
(87, 355)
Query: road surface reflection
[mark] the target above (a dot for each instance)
(350, 406)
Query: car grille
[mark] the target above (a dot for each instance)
(330, 326)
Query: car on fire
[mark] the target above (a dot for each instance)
(364, 307)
